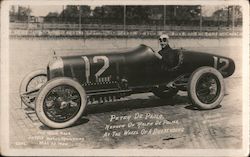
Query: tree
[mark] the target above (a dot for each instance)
(12, 10)
(226, 15)
(52, 17)
(138, 14)
(98, 12)
(186, 15)
(146, 14)
(115, 14)
(72, 12)
(21, 14)
(109, 14)
(176, 15)
(113, 11)
(234, 13)
(52, 14)
(12, 14)
(85, 11)
(24, 12)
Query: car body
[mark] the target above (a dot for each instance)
(109, 76)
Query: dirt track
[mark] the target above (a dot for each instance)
(173, 124)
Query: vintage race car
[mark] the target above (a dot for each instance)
(60, 94)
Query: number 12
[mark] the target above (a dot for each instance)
(95, 60)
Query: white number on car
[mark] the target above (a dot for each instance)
(105, 66)
(87, 68)
(223, 61)
(95, 60)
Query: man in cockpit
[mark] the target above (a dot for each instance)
(169, 56)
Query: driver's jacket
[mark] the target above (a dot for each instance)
(169, 57)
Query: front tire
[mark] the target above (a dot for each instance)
(60, 103)
(32, 81)
(206, 88)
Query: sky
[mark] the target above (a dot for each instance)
(45, 9)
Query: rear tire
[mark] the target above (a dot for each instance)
(165, 93)
(60, 103)
(206, 88)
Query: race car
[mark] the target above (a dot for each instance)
(60, 94)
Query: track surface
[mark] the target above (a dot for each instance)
(173, 124)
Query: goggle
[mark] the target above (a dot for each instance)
(163, 39)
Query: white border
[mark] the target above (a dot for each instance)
(5, 150)
(245, 73)
(4, 78)
(126, 2)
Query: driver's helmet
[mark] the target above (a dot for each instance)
(163, 39)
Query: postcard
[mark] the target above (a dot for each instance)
(125, 78)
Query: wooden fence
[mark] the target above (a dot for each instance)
(131, 31)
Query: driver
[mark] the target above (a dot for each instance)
(169, 56)
(164, 41)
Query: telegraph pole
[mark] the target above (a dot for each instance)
(80, 19)
(200, 19)
(62, 20)
(175, 8)
(164, 17)
(233, 13)
(28, 21)
(124, 24)
(124, 19)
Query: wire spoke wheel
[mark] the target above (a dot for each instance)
(206, 88)
(30, 85)
(36, 82)
(62, 103)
